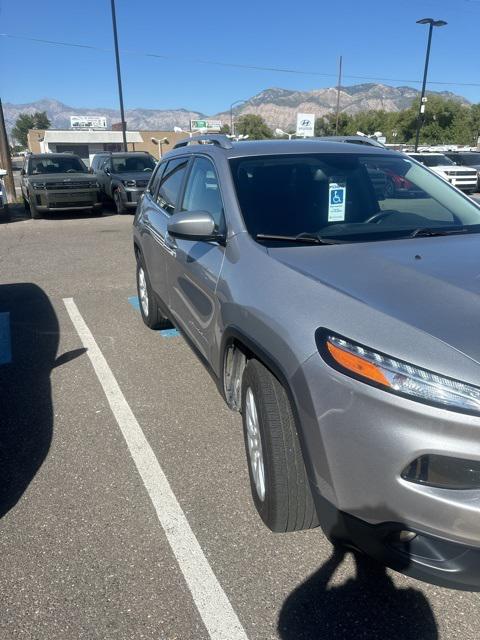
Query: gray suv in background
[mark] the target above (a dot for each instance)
(53, 182)
(344, 328)
(123, 177)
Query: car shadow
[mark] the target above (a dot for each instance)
(29, 337)
(368, 605)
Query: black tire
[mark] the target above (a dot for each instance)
(152, 317)
(119, 206)
(34, 212)
(96, 211)
(288, 503)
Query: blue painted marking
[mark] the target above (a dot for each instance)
(169, 333)
(5, 339)
(165, 333)
(134, 301)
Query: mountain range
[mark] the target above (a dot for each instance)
(277, 106)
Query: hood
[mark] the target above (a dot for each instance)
(133, 175)
(431, 284)
(450, 167)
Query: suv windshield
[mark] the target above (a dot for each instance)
(129, 164)
(57, 164)
(436, 160)
(346, 196)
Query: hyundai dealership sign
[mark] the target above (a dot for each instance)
(305, 125)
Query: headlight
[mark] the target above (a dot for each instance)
(38, 185)
(129, 183)
(398, 377)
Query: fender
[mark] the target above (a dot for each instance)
(255, 350)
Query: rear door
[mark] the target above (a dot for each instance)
(159, 203)
(194, 268)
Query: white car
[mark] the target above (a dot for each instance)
(464, 178)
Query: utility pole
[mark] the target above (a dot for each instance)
(5, 160)
(119, 77)
(339, 85)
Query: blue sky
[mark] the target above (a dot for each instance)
(377, 38)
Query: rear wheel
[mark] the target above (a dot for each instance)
(148, 306)
(278, 479)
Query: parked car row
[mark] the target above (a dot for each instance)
(61, 181)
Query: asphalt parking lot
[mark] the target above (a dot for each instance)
(124, 497)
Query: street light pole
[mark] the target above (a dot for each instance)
(432, 23)
(119, 77)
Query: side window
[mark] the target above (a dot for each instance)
(152, 186)
(171, 183)
(202, 192)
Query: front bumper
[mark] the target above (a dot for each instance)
(131, 196)
(65, 200)
(357, 441)
(465, 184)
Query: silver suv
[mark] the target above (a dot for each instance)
(343, 327)
(123, 176)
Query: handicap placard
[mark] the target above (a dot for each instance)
(336, 202)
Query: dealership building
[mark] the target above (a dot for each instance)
(87, 142)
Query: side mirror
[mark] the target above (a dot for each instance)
(107, 171)
(192, 225)
(22, 172)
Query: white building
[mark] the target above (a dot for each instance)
(85, 143)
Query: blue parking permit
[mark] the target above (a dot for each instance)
(5, 339)
(165, 333)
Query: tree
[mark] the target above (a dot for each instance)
(26, 121)
(225, 128)
(254, 126)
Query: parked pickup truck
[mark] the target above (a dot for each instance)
(58, 182)
(123, 177)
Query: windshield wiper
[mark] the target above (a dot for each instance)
(424, 232)
(303, 238)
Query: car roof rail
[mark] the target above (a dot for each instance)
(218, 139)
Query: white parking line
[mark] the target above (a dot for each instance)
(211, 601)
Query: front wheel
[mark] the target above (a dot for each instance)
(148, 306)
(278, 479)
(34, 212)
(119, 206)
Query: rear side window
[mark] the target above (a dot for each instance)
(171, 183)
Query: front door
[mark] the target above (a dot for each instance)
(194, 270)
(158, 205)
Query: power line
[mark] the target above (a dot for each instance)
(233, 64)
